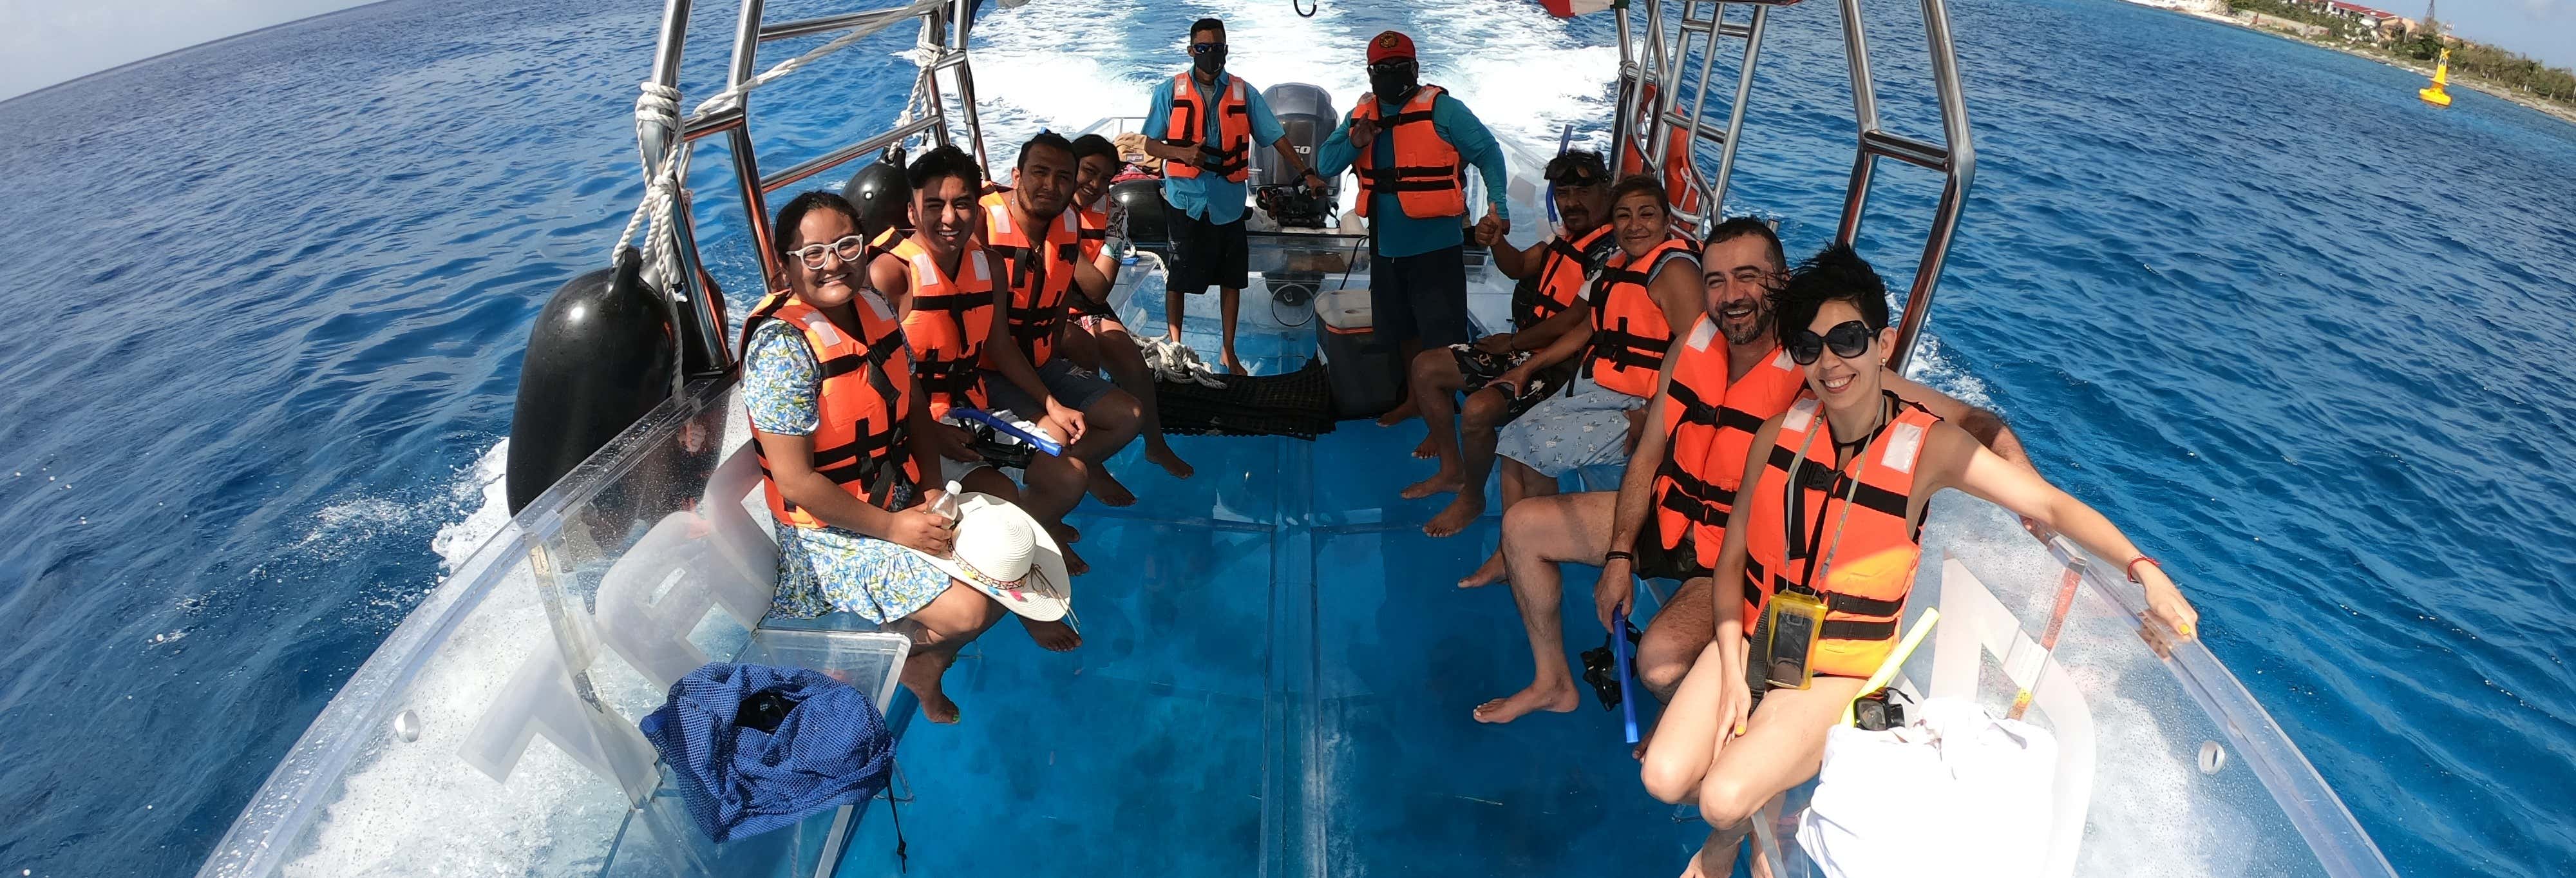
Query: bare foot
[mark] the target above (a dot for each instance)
(1560, 698)
(1073, 563)
(1461, 513)
(1106, 488)
(1487, 574)
(1055, 636)
(1162, 455)
(1064, 534)
(1698, 867)
(1234, 365)
(1427, 450)
(922, 676)
(1442, 482)
(1399, 415)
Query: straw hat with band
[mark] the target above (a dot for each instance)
(1004, 553)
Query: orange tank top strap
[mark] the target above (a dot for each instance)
(1428, 179)
(946, 323)
(1188, 124)
(1842, 534)
(1629, 335)
(1039, 268)
(865, 390)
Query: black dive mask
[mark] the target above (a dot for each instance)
(1392, 80)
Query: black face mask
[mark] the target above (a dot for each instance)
(1392, 85)
(1209, 63)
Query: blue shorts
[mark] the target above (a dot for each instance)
(1068, 383)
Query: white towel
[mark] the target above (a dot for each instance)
(1957, 792)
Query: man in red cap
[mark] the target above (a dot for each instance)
(1411, 144)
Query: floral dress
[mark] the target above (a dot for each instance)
(824, 569)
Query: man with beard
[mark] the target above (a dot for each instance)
(1205, 135)
(1553, 274)
(1668, 518)
(955, 307)
(1410, 145)
(1039, 242)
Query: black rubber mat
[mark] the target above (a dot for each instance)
(1298, 404)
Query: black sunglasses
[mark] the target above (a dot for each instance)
(1392, 65)
(1207, 48)
(1848, 339)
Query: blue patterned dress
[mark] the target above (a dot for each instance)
(821, 570)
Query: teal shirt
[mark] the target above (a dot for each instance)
(1400, 235)
(1207, 196)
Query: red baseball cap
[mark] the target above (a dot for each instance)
(1390, 44)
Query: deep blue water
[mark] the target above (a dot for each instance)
(2302, 336)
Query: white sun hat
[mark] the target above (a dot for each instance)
(1004, 553)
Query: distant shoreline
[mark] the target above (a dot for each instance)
(2561, 113)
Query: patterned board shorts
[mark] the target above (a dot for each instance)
(1480, 367)
(1565, 433)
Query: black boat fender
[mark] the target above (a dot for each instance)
(600, 356)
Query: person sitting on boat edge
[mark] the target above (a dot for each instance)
(954, 302)
(1094, 338)
(1032, 228)
(1410, 145)
(1205, 137)
(1666, 520)
(1827, 531)
(842, 455)
(1552, 274)
(1651, 281)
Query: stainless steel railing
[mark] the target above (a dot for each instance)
(943, 38)
(1651, 58)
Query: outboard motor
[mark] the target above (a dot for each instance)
(1306, 117)
(600, 357)
(882, 194)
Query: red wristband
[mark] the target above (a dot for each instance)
(2142, 559)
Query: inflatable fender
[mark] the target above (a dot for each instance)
(600, 356)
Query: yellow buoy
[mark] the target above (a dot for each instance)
(2441, 76)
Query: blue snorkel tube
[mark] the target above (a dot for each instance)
(1627, 664)
(1039, 441)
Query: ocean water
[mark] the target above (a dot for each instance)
(2300, 335)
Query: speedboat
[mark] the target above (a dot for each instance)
(1276, 671)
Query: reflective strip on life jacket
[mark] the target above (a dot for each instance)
(1428, 179)
(865, 389)
(1629, 335)
(946, 322)
(1187, 125)
(1040, 275)
(1559, 281)
(1709, 426)
(1867, 548)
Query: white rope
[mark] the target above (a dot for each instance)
(659, 106)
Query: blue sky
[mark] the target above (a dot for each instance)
(43, 42)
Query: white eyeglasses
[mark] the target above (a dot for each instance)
(847, 248)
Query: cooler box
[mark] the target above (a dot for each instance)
(1367, 377)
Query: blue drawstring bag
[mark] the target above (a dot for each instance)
(831, 747)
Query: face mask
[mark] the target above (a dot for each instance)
(1391, 85)
(1209, 63)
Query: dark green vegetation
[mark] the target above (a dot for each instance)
(2470, 61)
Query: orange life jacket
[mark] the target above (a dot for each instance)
(1709, 425)
(1559, 281)
(946, 322)
(1188, 123)
(1095, 232)
(1629, 335)
(1040, 274)
(1428, 179)
(1858, 553)
(866, 390)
